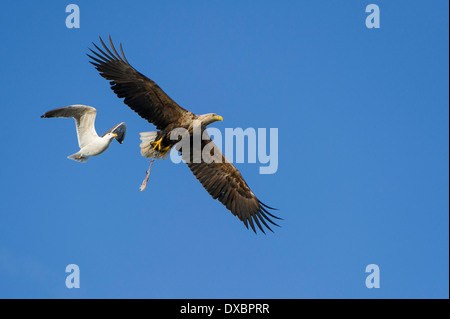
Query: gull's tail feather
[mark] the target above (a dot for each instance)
(147, 148)
(77, 157)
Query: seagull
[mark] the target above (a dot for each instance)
(89, 142)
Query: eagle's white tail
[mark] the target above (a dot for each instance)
(147, 148)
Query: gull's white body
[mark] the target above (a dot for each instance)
(96, 147)
(88, 140)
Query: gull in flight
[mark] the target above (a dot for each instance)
(89, 142)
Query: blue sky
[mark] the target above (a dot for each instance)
(362, 116)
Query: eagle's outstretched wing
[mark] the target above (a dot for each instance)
(141, 94)
(224, 182)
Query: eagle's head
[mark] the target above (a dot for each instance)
(209, 118)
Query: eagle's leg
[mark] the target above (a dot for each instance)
(157, 144)
(164, 150)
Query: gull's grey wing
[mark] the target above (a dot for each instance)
(120, 129)
(84, 119)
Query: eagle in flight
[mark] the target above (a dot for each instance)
(219, 176)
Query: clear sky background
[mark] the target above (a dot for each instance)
(363, 177)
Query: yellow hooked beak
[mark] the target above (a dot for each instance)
(218, 118)
(115, 135)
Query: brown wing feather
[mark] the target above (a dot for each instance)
(224, 182)
(141, 94)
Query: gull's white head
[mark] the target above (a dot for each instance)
(110, 135)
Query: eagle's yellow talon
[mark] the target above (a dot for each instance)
(164, 150)
(157, 144)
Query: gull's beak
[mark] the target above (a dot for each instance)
(115, 135)
(218, 118)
